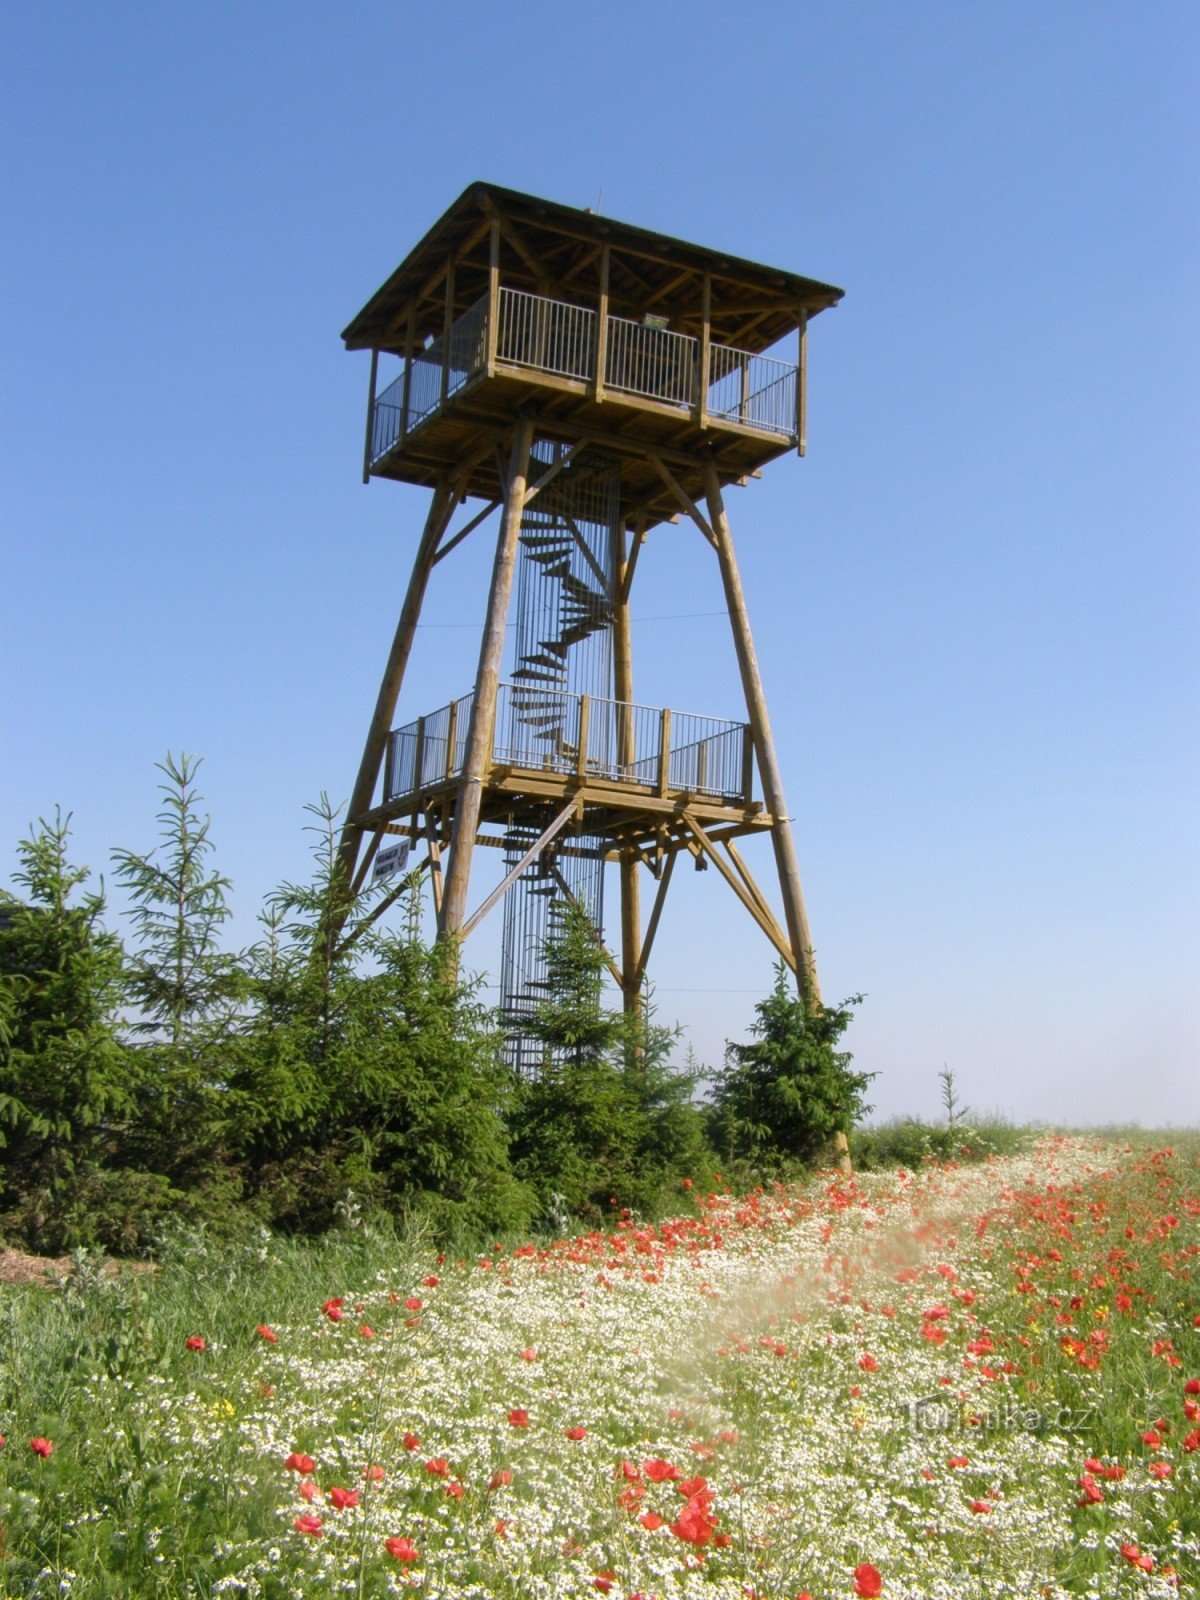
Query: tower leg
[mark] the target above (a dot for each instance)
(477, 757)
(764, 745)
(764, 749)
(440, 509)
(631, 918)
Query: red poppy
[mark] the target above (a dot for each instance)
(454, 1489)
(980, 1507)
(333, 1308)
(660, 1471)
(411, 1442)
(402, 1549)
(1192, 1386)
(695, 1523)
(367, 1331)
(867, 1580)
(868, 1363)
(299, 1463)
(343, 1499)
(310, 1524)
(651, 1520)
(576, 1433)
(957, 1461)
(438, 1466)
(308, 1489)
(432, 1281)
(1136, 1558)
(373, 1474)
(195, 1343)
(41, 1447)
(1159, 1469)
(412, 1303)
(529, 1354)
(500, 1479)
(518, 1417)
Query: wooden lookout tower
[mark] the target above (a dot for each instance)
(587, 381)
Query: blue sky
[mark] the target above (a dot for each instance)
(975, 600)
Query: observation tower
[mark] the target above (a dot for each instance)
(580, 381)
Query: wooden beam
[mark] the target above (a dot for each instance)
(705, 352)
(802, 388)
(451, 544)
(547, 281)
(435, 864)
(601, 327)
(493, 308)
(478, 756)
(535, 849)
(626, 582)
(570, 896)
(370, 438)
(652, 926)
(365, 866)
(763, 917)
(553, 471)
(447, 325)
(803, 961)
(440, 509)
(685, 501)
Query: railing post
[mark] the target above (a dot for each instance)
(389, 756)
(664, 751)
(745, 404)
(702, 765)
(705, 353)
(802, 387)
(419, 759)
(409, 336)
(493, 305)
(601, 328)
(451, 738)
(447, 325)
(747, 764)
(369, 443)
(581, 749)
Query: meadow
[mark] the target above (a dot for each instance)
(959, 1380)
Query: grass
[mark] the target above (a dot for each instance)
(817, 1356)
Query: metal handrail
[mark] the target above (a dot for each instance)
(556, 337)
(585, 736)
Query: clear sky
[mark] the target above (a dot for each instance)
(975, 600)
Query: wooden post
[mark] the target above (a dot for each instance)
(631, 911)
(664, 750)
(451, 738)
(409, 337)
(748, 766)
(447, 325)
(705, 353)
(493, 310)
(802, 387)
(368, 443)
(601, 327)
(585, 717)
(440, 510)
(477, 758)
(764, 745)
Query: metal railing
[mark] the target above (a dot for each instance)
(581, 736)
(653, 362)
(554, 336)
(548, 335)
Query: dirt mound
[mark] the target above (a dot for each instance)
(17, 1267)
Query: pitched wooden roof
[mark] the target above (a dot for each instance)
(556, 250)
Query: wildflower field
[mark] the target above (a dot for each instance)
(977, 1380)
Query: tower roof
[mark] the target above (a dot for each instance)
(556, 250)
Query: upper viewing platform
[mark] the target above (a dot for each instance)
(636, 343)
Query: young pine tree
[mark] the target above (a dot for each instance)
(66, 1080)
(790, 1092)
(184, 985)
(605, 1121)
